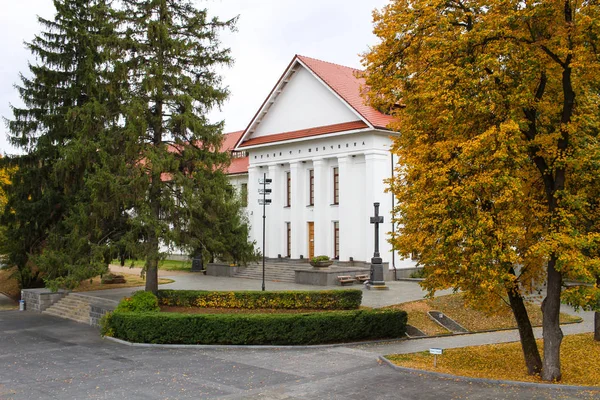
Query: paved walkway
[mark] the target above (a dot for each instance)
(44, 357)
(399, 292)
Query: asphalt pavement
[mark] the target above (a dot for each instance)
(44, 357)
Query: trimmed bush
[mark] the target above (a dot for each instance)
(256, 329)
(290, 300)
(113, 279)
(141, 301)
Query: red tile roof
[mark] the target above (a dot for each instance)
(320, 130)
(239, 165)
(230, 139)
(345, 81)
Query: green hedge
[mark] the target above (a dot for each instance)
(312, 300)
(141, 301)
(256, 329)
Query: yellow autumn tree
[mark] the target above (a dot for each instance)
(497, 106)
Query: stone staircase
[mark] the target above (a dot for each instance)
(274, 271)
(81, 308)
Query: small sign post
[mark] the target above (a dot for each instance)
(435, 352)
(264, 202)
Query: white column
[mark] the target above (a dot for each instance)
(322, 228)
(299, 233)
(254, 209)
(347, 209)
(378, 169)
(276, 234)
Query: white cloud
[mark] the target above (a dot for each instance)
(269, 33)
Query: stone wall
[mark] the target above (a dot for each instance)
(215, 269)
(39, 299)
(97, 312)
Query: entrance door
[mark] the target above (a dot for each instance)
(311, 240)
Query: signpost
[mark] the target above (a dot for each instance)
(264, 202)
(436, 352)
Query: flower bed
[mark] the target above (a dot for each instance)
(152, 326)
(292, 299)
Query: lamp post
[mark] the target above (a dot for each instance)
(264, 201)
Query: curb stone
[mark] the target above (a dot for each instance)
(484, 380)
(250, 346)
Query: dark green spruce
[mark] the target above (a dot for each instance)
(183, 199)
(52, 229)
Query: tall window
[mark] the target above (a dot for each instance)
(288, 190)
(336, 240)
(288, 229)
(244, 194)
(336, 186)
(311, 179)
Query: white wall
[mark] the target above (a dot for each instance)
(304, 103)
(364, 162)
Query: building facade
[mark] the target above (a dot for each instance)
(328, 156)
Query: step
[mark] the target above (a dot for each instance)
(60, 308)
(80, 318)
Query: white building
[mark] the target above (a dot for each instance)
(328, 155)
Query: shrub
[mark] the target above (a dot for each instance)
(322, 299)
(319, 258)
(420, 273)
(257, 329)
(111, 279)
(140, 302)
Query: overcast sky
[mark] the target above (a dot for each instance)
(269, 33)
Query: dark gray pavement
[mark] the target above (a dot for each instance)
(43, 357)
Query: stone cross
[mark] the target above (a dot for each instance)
(377, 219)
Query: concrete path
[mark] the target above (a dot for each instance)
(44, 357)
(400, 291)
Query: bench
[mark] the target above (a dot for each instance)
(345, 280)
(362, 278)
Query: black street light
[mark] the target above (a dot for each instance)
(264, 201)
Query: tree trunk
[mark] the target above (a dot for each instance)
(551, 324)
(152, 267)
(597, 318)
(528, 343)
(597, 326)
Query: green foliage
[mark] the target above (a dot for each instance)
(420, 273)
(177, 188)
(111, 278)
(118, 152)
(498, 151)
(141, 301)
(319, 258)
(256, 329)
(322, 299)
(51, 230)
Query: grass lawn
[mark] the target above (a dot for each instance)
(166, 265)
(10, 287)
(8, 284)
(132, 281)
(580, 361)
(453, 306)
